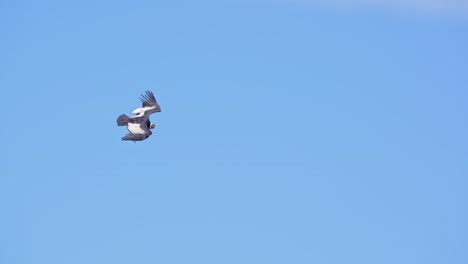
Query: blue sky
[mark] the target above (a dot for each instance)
(290, 132)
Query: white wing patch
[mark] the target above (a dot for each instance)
(135, 129)
(138, 112)
(141, 111)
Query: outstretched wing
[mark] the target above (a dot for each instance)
(149, 102)
(150, 105)
(135, 137)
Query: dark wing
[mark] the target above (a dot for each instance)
(148, 100)
(135, 137)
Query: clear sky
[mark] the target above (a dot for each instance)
(290, 132)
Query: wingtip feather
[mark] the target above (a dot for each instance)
(148, 98)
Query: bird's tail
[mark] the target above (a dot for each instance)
(122, 120)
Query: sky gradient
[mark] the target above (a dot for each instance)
(289, 133)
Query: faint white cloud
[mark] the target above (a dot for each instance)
(444, 7)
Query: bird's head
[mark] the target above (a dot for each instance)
(152, 126)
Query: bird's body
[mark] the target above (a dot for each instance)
(135, 128)
(139, 125)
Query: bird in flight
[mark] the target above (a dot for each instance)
(139, 125)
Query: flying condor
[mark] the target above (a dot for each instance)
(139, 125)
